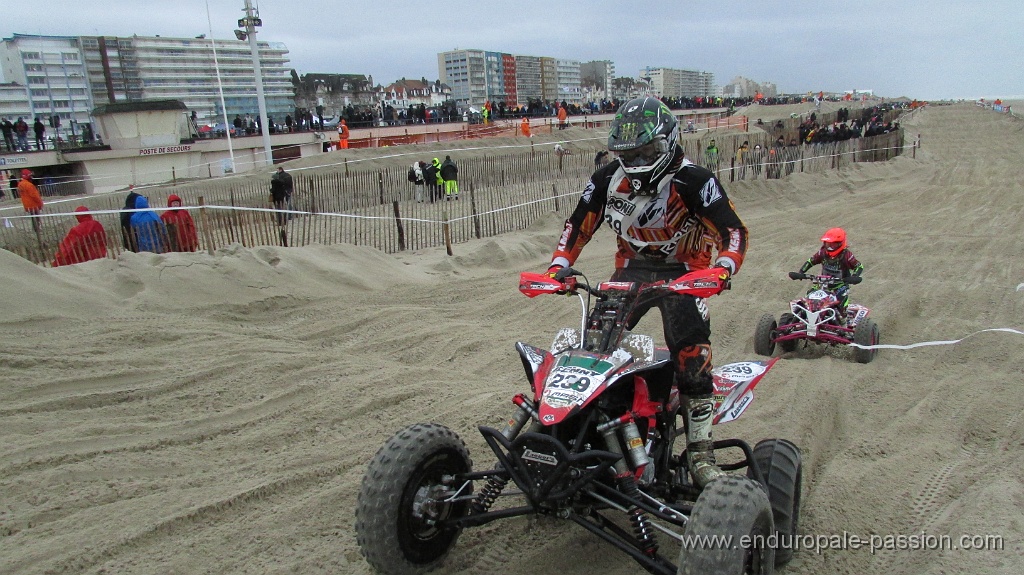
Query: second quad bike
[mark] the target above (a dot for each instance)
(815, 318)
(593, 444)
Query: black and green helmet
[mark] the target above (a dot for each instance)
(644, 135)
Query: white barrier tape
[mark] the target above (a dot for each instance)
(930, 343)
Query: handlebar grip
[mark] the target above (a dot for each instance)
(564, 273)
(797, 276)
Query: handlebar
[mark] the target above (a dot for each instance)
(700, 283)
(826, 280)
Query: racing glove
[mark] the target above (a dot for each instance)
(553, 270)
(797, 276)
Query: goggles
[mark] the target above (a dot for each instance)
(645, 155)
(833, 246)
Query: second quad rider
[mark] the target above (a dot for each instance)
(669, 215)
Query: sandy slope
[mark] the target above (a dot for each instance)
(195, 414)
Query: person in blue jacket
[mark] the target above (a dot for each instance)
(148, 229)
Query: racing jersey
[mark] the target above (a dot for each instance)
(841, 266)
(677, 227)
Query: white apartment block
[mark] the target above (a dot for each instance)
(51, 68)
(567, 78)
(159, 68)
(14, 103)
(69, 76)
(674, 83)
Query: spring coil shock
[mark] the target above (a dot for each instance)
(489, 493)
(642, 529)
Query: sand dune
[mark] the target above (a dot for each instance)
(191, 414)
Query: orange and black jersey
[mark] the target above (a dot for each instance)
(680, 226)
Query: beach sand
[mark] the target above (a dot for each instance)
(187, 413)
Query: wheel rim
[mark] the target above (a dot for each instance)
(421, 537)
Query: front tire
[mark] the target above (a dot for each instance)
(396, 518)
(763, 344)
(780, 463)
(730, 509)
(866, 333)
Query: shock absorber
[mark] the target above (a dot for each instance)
(489, 493)
(642, 529)
(626, 483)
(519, 418)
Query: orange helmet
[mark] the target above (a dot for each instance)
(834, 241)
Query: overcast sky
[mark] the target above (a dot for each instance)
(926, 49)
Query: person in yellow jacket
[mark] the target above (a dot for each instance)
(440, 181)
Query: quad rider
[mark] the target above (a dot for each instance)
(668, 213)
(837, 261)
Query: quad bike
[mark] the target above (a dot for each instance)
(816, 318)
(593, 444)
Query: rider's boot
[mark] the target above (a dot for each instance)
(699, 449)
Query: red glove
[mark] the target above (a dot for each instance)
(553, 270)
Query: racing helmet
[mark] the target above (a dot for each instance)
(644, 135)
(834, 242)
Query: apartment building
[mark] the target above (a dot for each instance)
(528, 84)
(159, 68)
(52, 70)
(674, 83)
(69, 76)
(598, 76)
(476, 76)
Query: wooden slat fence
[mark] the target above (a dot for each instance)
(377, 207)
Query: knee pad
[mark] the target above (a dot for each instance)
(694, 370)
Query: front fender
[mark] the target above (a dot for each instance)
(534, 360)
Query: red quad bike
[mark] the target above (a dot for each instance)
(815, 318)
(593, 444)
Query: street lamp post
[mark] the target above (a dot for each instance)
(250, 22)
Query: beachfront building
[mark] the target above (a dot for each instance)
(674, 83)
(51, 68)
(14, 102)
(157, 68)
(740, 87)
(596, 79)
(333, 94)
(528, 77)
(476, 76)
(405, 94)
(68, 76)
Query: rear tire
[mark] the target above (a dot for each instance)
(730, 507)
(866, 333)
(391, 537)
(780, 463)
(789, 344)
(763, 344)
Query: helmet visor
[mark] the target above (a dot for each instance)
(833, 246)
(646, 155)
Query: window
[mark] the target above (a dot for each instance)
(36, 80)
(33, 67)
(70, 56)
(40, 92)
(30, 56)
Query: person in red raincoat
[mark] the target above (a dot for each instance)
(84, 242)
(181, 228)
